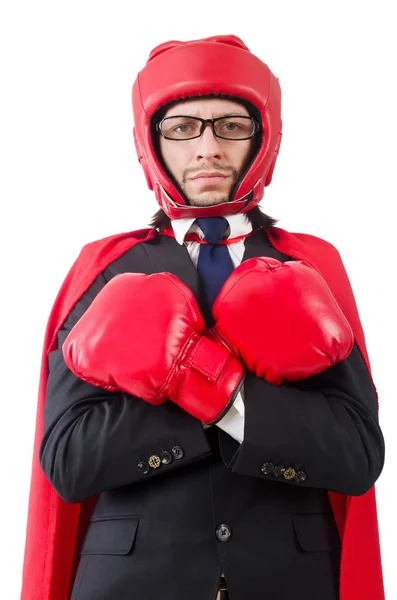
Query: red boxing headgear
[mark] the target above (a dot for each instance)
(215, 65)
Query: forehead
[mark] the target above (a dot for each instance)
(207, 108)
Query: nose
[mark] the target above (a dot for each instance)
(208, 144)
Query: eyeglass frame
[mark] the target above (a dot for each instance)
(203, 125)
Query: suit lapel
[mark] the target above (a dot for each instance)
(258, 244)
(167, 255)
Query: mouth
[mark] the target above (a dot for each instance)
(209, 178)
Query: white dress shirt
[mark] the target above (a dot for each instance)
(233, 421)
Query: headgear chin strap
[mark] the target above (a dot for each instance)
(215, 65)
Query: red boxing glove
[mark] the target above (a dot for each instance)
(143, 334)
(282, 319)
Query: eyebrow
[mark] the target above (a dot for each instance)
(226, 114)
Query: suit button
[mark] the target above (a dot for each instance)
(223, 532)
(300, 477)
(289, 473)
(177, 452)
(278, 470)
(267, 468)
(166, 457)
(143, 467)
(154, 461)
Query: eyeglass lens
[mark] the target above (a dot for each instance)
(182, 128)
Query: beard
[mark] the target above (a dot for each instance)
(209, 197)
(207, 200)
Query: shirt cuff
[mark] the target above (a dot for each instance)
(233, 421)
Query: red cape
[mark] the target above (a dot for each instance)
(55, 528)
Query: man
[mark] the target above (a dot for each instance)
(210, 426)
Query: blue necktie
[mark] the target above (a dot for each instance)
(214, 263)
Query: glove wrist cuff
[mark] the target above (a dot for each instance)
(206, 383)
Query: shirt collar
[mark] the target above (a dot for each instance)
(239, 225)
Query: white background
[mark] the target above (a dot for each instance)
(69, 175)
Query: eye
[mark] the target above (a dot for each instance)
(182, 128)
(233, 126)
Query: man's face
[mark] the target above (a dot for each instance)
(186, 159)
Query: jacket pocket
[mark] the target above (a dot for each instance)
(316, 532)
(110, 535)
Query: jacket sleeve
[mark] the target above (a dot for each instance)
(324, 428)
(94, 439)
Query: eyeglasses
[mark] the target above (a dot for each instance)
(182, 127)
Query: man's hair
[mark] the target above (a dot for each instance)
(256, 217)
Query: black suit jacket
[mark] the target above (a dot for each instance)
(166, 532)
